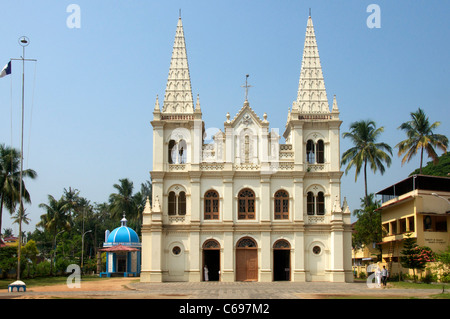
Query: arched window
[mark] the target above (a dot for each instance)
(315, 204)
(281, 244)
(172, 152)
(182, 149)
(320, 152)
(246, 242)
(177, 152)
(310, 152)
(177, 201)
(172, 203)
(211, 205)
(310, 203)
(320, 204)
(281, 205)
(246, 204)
(182, 203)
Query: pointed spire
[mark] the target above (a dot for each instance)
(178, 96)
(197, 105)
(312, 96)
(157, 109)
(148, 207)
(335, 106)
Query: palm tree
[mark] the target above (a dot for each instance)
(10, 180)
(366, 151)
(140, 199)
(56, 219)
(123, 201)
(421, 137)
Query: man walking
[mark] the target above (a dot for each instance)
(384, 275)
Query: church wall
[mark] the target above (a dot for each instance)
(320, 245)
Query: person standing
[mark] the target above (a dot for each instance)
(378, 275)
(384, 276)
(205, 270)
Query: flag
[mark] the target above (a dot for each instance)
(6, 70)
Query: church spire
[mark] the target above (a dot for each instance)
(312, 96)
(178, 97)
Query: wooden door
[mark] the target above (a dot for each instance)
(246, 260)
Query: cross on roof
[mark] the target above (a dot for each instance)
(246, 86)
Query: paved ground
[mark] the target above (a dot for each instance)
(125, 288)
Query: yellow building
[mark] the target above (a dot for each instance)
(418, 205)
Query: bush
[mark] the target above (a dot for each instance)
(429, 278)
(43, 269)
(445, 277)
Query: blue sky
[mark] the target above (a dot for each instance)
(87, 124)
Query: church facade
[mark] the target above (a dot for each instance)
(246, 207)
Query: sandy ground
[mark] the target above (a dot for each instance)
(113, 288)
(113, 284)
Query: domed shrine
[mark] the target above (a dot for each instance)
(123, 252)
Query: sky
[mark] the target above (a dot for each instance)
(89, 97)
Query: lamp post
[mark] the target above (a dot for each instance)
(54, 246)
(82, 248)
(441, 197)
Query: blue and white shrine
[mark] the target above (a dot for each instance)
(123, 252)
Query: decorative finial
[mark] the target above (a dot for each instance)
(123, 222)
(179, 14)
(228, 117)
(157, 103)
(310, 12)
(197, 105)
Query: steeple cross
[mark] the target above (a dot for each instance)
(246, 86)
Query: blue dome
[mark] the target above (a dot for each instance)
(123, 234)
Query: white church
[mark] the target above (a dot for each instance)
(246, 207)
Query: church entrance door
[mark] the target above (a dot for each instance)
(121, 263)
(281, 261)
(211, 261)
(246, 260)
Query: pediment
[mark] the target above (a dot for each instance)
(246, 117)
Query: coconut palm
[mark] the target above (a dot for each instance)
(10, 180)
(421, 137)
(123, 201)
(364, 135)
(56, 219)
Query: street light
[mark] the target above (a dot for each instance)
(82, 248)
(442, 197)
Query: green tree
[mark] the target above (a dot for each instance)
(8, 259)
(30, 253)
(444, 261)
(56, 219)
(442, 168)
(10, 180)
(367, 228)
(415, 257)
(140, 199)
(366, 150)
(123, 201)
(420, 137)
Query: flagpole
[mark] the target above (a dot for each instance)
(23, 41)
